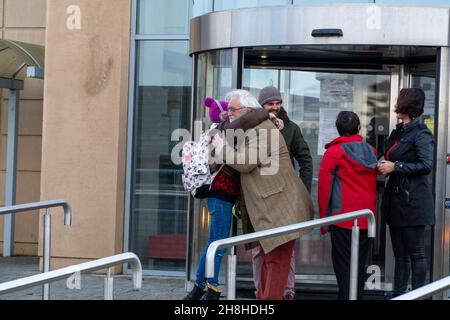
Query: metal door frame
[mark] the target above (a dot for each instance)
(441, 245)
(441, 230)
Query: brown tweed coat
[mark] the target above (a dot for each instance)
(272, 195)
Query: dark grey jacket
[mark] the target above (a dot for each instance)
(407, 200)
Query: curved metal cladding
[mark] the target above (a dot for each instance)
(360, 24)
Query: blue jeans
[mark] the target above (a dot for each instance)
(220, 225)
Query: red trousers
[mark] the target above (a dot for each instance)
(274, 272)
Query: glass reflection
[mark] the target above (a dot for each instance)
(313, 100)
(330, 1)
(413, 2)
(163, 16)
(234, 4)
(199, 7)
(159, 202)
(214, 74)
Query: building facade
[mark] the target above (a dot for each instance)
(121, 76)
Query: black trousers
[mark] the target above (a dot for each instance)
(341, 241)
(408, 244)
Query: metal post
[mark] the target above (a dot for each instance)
(11, 166)
(109, 285)
(441, 244)
(231, 280)
(47, 251)
(354, 262)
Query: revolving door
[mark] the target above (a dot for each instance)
(317, 81)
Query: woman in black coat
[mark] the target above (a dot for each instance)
(408, 202)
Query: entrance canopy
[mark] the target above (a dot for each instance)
(18, 60)
(343, 24)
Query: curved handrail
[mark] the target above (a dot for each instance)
(260, 235)
(426, 291)
(85, 267)
(47, 227)
(41, 205)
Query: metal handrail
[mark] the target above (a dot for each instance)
(426, 291)
(260, 235)
(47, 227)
(41, 205)
(99, 264)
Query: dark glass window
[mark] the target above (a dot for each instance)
(159, 202)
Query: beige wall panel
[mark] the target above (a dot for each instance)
(122, 139)
(33, 89)
(35, 36)
(28, 153)
(25, 249)
(84, 126)
(22, 249)
(27, 187)
(1, 14)
(27, 228)
(30, 117)
(26, 223)
(25, 13)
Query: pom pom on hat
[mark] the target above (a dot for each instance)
(216, 114)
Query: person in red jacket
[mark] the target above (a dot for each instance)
(347, 182)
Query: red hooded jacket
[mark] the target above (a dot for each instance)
(347, 179)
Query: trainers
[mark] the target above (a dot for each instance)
(211, 294)
(195, 294)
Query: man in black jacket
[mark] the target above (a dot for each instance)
(270, 99)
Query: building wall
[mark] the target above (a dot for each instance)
(24, 20)
(85, 125)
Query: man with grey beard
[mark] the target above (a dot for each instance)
(270, 98)
(271, 193)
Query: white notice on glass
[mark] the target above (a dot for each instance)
(430, 99)
(327, 128)
(336, 90)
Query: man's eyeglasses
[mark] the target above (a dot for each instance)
(233, 109)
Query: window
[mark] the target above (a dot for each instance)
(330, 1)
(233, 4)
(159, 202)
(413, 2)
(163, 16)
